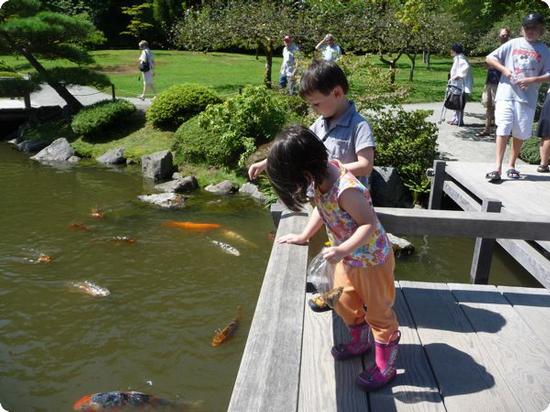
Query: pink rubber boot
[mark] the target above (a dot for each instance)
(360, 343)
(384, 369)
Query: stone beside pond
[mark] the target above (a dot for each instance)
(252, 190)
(59, 151)
(223, 188)
(165, 200)
(113, 157)
(157, 166)
(179, 184)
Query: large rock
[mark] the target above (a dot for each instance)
(401, 247)
(387, 188)
(252, 190)
(185, 184)
(29, 146)
(165, 200)
(74, 159)
(113, 157)
(59, 151)
(157, 166)
(222, 188)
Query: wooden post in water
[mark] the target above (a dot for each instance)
(483, 249)
(436, 191)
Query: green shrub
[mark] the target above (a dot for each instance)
(178, 104)
(406, 141)
(530, 151)
(226, 134)
(100, 116)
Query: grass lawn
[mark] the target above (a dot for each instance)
(227, 72)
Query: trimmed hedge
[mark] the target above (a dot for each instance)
(226, 134)
(178, 104)
(100, 116)
(530, 151)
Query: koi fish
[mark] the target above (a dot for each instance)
(44, 258)
(198, 227)
(79, 226)
(124, 239)
(91, 288)
(235, 236)
(227, 248)
(221, 335)
(96, 213)
(119, 401)
(329, 298)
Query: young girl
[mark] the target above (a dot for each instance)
(362, 251)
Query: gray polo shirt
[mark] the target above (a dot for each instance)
(345, 136)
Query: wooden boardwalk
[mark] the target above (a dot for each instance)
(466, 185)
(463, 348)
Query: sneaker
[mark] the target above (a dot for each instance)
(384, 369)
(543, 169)
(360, 343)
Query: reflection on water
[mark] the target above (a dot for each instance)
(169, 288)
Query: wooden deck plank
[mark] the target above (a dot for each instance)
(326, 385)
(414, 388)
(533, 305)
(517, 353)
(268, 377)
(468, 378)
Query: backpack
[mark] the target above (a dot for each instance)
(144, 66)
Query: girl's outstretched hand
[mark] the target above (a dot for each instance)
(333, 254)
(293, 238)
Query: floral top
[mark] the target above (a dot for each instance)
(341, 226)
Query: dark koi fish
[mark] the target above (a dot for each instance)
(221, 335)
(79, 226)
(124, 401)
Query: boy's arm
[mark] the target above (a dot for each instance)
(364, 164)
(313, 225)
(354, 202)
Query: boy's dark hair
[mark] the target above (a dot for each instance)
(322, 76)
(296, 150)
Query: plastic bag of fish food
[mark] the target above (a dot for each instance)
(320, 273)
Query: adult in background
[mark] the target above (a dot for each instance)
(490, 90)
(146, 67)
(544, 133)
(524, 63)
(460, 76)
(330, 51)
(287, 77)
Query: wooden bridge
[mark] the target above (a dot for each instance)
(463, 347)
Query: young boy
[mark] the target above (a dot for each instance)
(345, 133)
(524, 63)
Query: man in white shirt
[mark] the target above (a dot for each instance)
(287, 77)
(330, 51)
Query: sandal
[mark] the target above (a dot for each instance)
(513, 173)
(543, 169)
(452, 123)
(493, 176)
(482, 134)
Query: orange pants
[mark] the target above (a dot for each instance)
(374, 287)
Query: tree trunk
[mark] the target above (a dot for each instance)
(412, 58)
(392, 64)
(73, 104)
(268, 62)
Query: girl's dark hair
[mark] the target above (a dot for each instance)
(296, 150)
(322, 76)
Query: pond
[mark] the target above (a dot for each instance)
(169, 290)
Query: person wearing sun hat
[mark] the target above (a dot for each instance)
(524, 63)
(460, 75)
(287, 77)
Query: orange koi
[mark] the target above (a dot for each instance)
(44, 258)
(79, 226)
(198, 227)
(96, 213)
(221, 335)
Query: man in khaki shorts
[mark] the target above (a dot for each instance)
(490, 90)
(524, 63)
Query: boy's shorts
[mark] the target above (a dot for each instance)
(514, 119)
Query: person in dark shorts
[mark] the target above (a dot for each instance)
(543, 132)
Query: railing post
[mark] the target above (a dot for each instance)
(113, 92)
(276, 210)
(27, 100)
(483, 249)
(436, 190)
